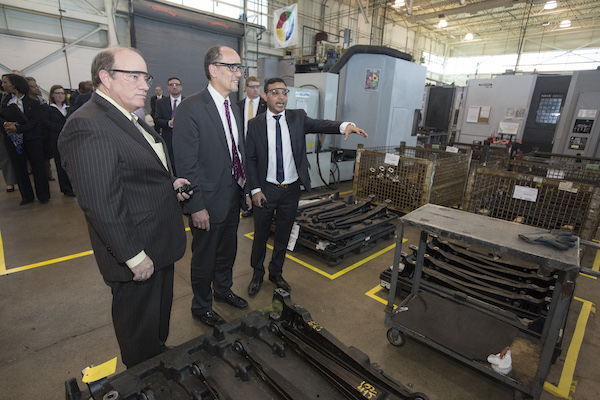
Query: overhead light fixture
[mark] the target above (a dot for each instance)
(565, 24)
(550, 5)
(442, 23)
(469, 36)
(545, 23)
(399, 3)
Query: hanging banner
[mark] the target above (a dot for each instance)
(285, 26)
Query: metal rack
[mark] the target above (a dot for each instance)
(501, 238)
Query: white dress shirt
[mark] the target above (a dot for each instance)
(289, 166)
(220, 103)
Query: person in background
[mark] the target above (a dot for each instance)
(251, 106)
(126, 188)
(24, 139)
(36, 94)
(84, 93)
(158, 94)
(166, 108)
(57, 117)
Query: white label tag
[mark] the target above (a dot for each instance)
(293, 237)
(525, 193)
(392, 159)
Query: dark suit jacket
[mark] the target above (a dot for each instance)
(153, 105)
(163, 113)
(34, 112)
(257, 150)
(262, 106)
(123, 188)
(79, 101)
(203, 156)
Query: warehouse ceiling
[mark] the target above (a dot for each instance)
(490, 20)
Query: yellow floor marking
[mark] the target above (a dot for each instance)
(325, 274)
(41, 264)
(566, 383)
(2, 263)
(566, 378)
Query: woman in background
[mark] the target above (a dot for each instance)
(57, 116)
(20, 121)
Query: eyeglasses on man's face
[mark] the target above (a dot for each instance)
(174, 84)
(277, 92)
(135, 77)
(231, 67)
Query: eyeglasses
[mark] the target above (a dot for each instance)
(254, 87)
(135, 77)
(59, 93)
(277, 92)
(34, 86)
(232, 67)
(173, 84)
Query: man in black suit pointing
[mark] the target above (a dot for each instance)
(277, 165)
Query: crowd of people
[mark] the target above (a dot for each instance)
(30, 125)
(234, 156)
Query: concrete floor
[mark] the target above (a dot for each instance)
(55, 314)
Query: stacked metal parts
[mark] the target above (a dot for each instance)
(336, 227)
(521, 288)
(281, 353)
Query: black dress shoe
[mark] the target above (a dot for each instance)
(23, 202)
(69, 194)
(254, 286)
(280, 282)
(210, 318)
(233, 300)
(45, 201)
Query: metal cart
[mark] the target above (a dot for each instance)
(470, 319)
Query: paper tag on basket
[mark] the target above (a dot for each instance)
(392, 159)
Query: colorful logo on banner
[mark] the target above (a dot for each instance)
(372, 80)
(286, 26)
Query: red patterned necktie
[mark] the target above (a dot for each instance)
(238, 171)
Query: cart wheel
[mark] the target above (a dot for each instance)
(396, 337)
(420, 396)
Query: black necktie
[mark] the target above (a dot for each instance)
(279, 150)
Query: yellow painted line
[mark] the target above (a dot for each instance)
(566, 383)
(2, 263)
(325, 274)
(43, 263)
(371, 294)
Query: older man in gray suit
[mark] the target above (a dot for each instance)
(208, 142)
(121, 172)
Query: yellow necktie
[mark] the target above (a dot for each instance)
(250, 110)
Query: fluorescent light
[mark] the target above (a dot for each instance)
(469, 36)
(550, 5)
(399, 3)
(565, 24)
(442, 23)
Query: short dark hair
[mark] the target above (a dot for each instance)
(271, 81)
(30, 79)
(105, 60)
(173, 77)
(85, 87)
(19, 83)
(212, 56)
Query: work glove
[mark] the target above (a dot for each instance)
(555, 238)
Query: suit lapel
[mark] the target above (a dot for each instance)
(211, 109)
(128, 127)
(290, 117)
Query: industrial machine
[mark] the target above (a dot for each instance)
(515, 108)
(379, 89)
(578, 131)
